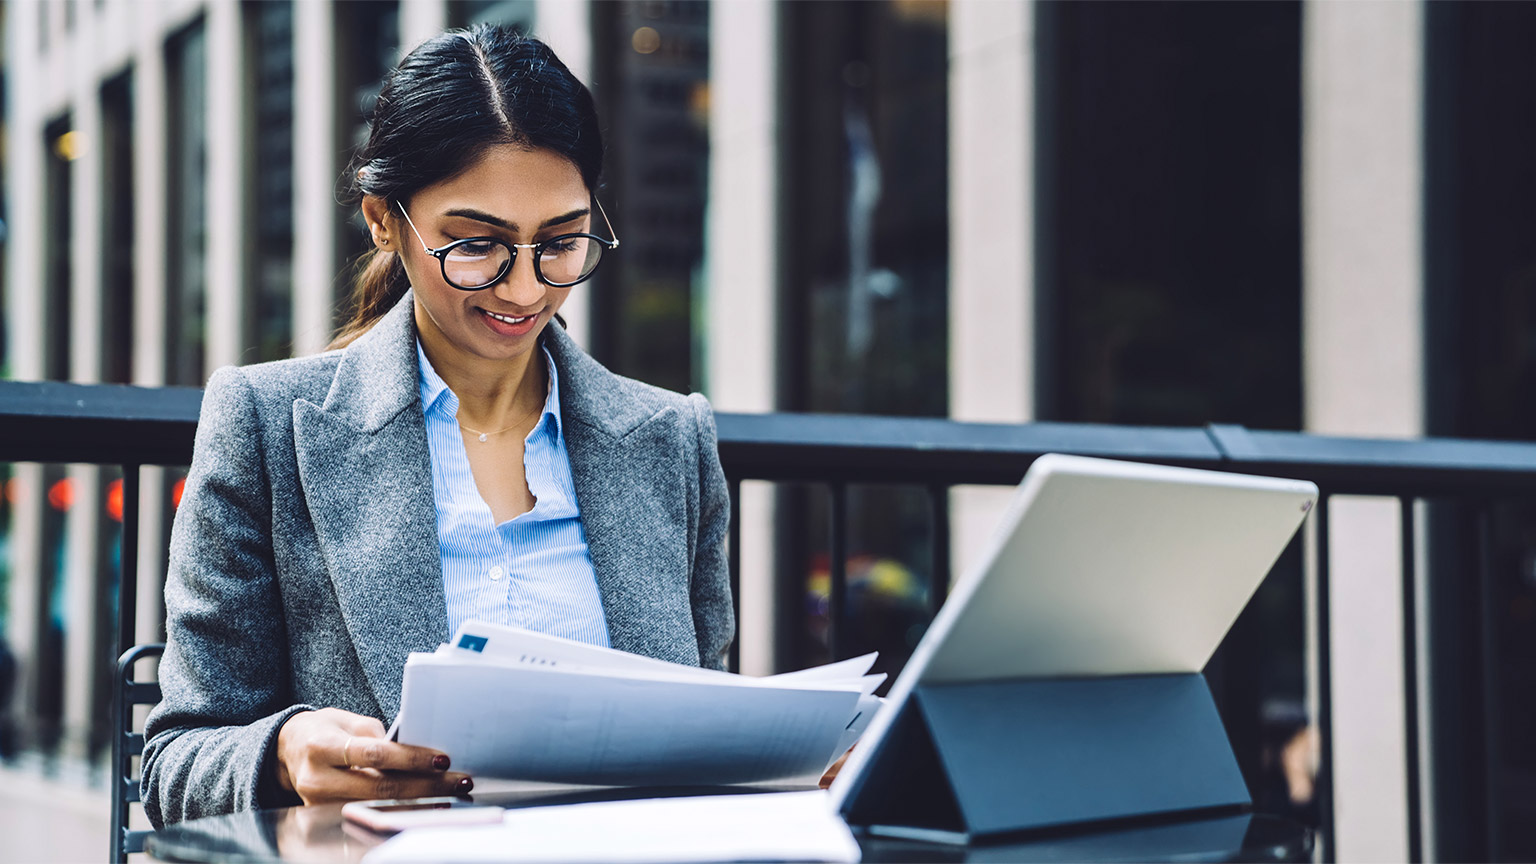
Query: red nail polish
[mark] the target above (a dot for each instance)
(440, 762)
(465, 785)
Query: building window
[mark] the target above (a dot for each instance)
(863, 317)
(118, 229)
(1170, 201)
(865, 232)
(187, 80)
(271, 27)
(652, 86)
(63, 145)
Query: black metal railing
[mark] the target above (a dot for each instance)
(134, 427)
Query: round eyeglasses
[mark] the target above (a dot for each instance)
(476, 263)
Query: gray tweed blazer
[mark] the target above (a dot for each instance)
(304, 558)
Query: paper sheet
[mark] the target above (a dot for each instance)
(533, 723)
(509, 703)
(853, 667)
(785, 826)
(509, 644)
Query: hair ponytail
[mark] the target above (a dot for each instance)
(378, 284)
(450, 99)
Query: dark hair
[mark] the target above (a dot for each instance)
(449, 100)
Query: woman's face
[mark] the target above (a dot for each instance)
(516, 195)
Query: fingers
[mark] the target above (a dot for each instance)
(369, 784)
(359, 751)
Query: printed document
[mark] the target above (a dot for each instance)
(513, 704)
(783, 826)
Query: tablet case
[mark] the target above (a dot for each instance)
(973, 761)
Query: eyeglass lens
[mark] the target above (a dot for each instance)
(562, 261)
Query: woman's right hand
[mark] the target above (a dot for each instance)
(335, 755)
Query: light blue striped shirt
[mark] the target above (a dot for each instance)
(533, 571)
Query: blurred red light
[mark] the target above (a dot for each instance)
(176, 491)
(13, 490)
(61, 495)
(115, 500)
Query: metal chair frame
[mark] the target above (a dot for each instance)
(126, 744)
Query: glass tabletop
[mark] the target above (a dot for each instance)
(318, 835)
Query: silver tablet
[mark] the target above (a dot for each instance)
(1103, 568)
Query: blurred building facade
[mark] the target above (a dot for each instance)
(1287, 215)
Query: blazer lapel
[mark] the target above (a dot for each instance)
(630, 482)
(367, 477)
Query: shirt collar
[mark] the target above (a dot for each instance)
(434, 388)
(552, 401)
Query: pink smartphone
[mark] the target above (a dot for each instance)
(389, 817)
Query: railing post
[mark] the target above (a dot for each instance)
(1490, 680)
(837, 567)
(128, 585)
(938, 589)
(1324, 784)
(1411, 681)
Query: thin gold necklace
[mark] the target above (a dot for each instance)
(485, 436)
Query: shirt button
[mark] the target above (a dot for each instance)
(496, 573)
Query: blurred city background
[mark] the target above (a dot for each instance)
(1306, 216)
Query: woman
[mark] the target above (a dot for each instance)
(458, 456)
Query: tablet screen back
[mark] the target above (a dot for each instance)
(1113, 568)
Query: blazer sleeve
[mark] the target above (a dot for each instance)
(710, 589)
(224, 676)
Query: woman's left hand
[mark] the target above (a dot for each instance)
(335, 755)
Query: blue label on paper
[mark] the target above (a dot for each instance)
(472, 643)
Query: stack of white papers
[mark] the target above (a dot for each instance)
(509, 703)
(786, 826)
